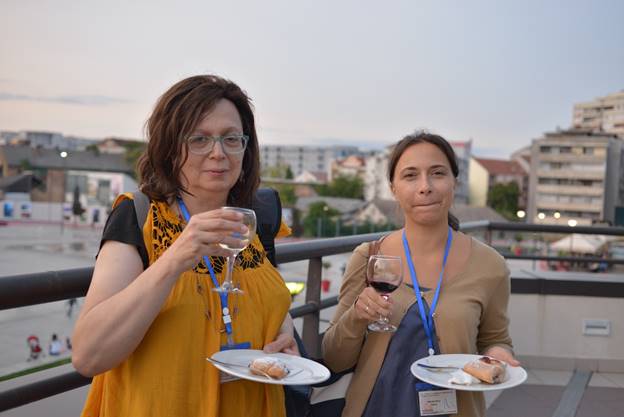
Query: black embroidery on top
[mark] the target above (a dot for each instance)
(164, 233)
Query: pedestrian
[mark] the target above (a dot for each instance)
(70, 306)
(56, 347)
(34, 347)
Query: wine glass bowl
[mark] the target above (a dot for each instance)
(384, 274)
(249, 220)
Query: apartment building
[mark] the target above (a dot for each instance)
(376, 176)
(604, 114)
(575, 178)
(304, 158)
(48, 140)
(352, 165)
(463, 152)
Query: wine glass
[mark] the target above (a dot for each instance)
(249, 220)
(384, 274)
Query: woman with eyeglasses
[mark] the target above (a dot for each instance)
(150, 318)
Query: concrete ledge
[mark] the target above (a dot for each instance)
(571, 364)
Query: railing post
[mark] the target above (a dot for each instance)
(311, 338)
(488, 236)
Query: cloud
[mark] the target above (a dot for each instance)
(80, 100)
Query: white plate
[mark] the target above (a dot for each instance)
(311, 372)
(514, 376)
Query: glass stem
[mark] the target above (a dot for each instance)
(230, 268)
(383, 319)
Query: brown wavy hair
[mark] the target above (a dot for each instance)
(436, 140)
(178, 111)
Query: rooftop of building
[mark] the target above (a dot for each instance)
(35, 158)
(501, 166)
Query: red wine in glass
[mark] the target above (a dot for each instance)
(384, 274)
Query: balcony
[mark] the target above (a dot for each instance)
(596, 158)
(542, 205)
(569, 174)
(570, 190)
(569, 371)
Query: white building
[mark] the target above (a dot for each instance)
(604, 114)
(303, 158)
(376, 185)
(577, 176)
(50, 140)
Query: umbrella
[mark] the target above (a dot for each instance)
(579, 243)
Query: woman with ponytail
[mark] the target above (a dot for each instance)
(453, 296)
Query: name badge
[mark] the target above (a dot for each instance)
(438, 402)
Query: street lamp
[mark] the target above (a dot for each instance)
(541, 216)
(572, 223)
(557, 215)
(521, 214)
(63, 156)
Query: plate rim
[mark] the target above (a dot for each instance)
(476, 387)
(264, 380)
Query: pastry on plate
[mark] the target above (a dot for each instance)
(487, 369)
(266, 365)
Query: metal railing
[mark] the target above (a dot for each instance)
(29, 289)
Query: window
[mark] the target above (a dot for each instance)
(588, 151)
(565, 149)
(103, 192)
(545, 149)
(76, 180)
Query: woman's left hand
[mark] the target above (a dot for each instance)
(284, 343)
(502, 354)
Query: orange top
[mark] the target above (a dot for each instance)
(168, 375)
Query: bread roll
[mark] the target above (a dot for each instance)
(487, 370)
(269, 366)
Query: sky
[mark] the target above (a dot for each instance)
(362, 73)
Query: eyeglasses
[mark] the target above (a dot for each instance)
(231, 144)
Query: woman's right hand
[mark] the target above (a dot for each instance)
(202, 236)
(370, 305)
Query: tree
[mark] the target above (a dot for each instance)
(286, 191)
(77, 209)
(504, 199)
(320, 213)
(347, 186)
(133, 151)
(287, 194)
(93, 148)
(278, 171)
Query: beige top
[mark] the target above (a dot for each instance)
(471, 316)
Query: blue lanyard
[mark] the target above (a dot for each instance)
(225, 312)
(427, 320)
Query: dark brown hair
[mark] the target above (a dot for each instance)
(178, 111)
(424, 137)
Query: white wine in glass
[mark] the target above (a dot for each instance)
(249, 220)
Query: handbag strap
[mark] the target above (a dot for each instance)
(373, 247)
